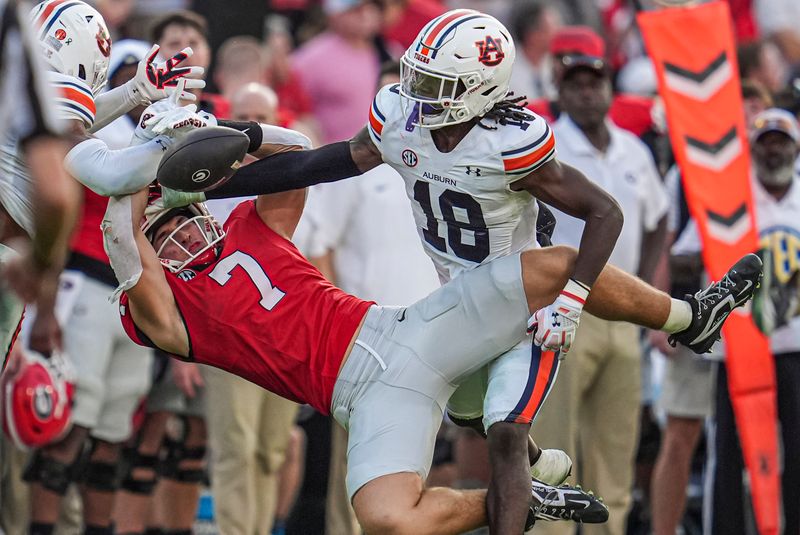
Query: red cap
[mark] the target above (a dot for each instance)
(578, 40)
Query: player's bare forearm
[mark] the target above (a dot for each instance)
(364, 152)
(652, 250)
(150, 299)
(567, 189)
(292, 170)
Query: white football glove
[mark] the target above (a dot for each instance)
(155, 81)
(554, 326)
(144, 128)
(176, 121)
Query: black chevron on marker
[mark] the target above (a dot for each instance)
(728, 220)
(715, 147)
(700, 76)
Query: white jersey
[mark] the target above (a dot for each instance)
(73, 101)
(465, 212)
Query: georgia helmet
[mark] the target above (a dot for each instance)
(37, 400)
(196, 215)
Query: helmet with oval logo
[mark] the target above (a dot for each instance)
(75, 40)
(192, 240)
(37, 400)
(458, 68)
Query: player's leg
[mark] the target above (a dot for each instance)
(232, 417)
(392, 433)
(185, 473)
(686, 398)
(416, 510)
(274, 427)
(392, 402)
(609, 420)
(50, 472)
(618, 296)
(89, 349)
(99, 482)
(788, 377)
(517, 384)
(127, 381)
(135, 496)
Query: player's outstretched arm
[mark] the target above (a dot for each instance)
(150, 300)
(300, 169)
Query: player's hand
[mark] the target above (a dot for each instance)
(554, 326)
(187, 377)
(14, 362)
(45, 332)
(174, 120)
(144, 128)
(25, 276)
(775, 304)
(173, 198)
(156, 80)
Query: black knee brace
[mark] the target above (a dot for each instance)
(133, 460)
(476, 424)
(101, 476)
(176, 453)
(53, 475)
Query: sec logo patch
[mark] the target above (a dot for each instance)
(410, 158)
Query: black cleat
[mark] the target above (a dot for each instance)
(712, 306)
(564, 503)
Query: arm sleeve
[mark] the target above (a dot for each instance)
(264, 134)
(290, 170)
(26, 96)
(111, 105)
(115, 172)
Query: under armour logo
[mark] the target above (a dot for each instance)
(471, 170)
(556, 322)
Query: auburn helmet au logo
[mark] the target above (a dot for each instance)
(490, 51)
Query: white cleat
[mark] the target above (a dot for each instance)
(552, 467)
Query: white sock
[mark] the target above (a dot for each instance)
(680, 316)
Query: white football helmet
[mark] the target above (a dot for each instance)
(457, 68)
(198, 215)
(74, 39)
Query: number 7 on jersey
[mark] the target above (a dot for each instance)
(270, 295)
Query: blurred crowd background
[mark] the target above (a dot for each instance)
(201, 450)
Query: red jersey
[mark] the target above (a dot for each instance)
(263, 312)
(87, 238)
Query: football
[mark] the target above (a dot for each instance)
(204, 159)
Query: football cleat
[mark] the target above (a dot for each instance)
(564, 503)
(712, 306)
(552, 467)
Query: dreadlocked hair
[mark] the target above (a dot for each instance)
(510, 111)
